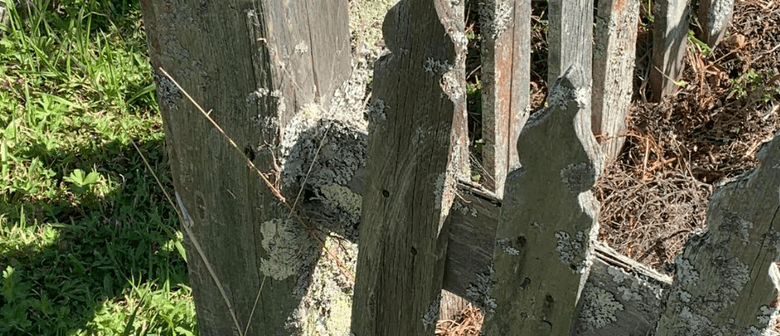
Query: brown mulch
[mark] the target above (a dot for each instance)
(468, 323)
(708, 132)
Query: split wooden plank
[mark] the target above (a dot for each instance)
(413, 162)
(548, 218)
(239, 61)
(505, 26)
(726, 280)
(613, 72)
(715, 17)
(570, 37)
(670, 36)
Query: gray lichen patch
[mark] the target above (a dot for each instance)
(437, 67)
(167, 90)
(578, 177)
(599, 308)
(507, 246)
(570, 250)
(494, 16)
(733, 224)
(432, 314)
(342, 197)
(322, 151)
(288, 246)
(326, 304)
(478, 292)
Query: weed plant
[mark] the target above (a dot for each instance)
(88, 244)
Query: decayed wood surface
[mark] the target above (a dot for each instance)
(223, 55)
(412, 167)
(547, 218)
(613, 72)
(723, 284)
(505, 26)
(569, 37)
(670, 31)
(715, 17)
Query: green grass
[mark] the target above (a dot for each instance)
(88, 244)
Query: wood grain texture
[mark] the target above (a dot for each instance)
(715, 17)
(613, 72)
(670, 31)
(570, 37)
(547, 218)
(222, 53)
(506, 67)
(413, 163)
(723, 283)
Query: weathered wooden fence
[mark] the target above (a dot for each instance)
(272, 251)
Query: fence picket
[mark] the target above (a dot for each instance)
(414, 159)
(670, 31)
(546, 218)
(613, 72)
(505, 26)
(715, 17)
(726, 279)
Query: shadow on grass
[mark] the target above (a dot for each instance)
(90, 247)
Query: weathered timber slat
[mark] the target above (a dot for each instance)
(570, 37)
(723, 283)
(670, 31)
(241, 62)
(505, 26)
(548, 217)
(715, 17)
(613, 72)
(413, 162)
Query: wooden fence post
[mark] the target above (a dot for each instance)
(414, 159)
(715, 17)
(724, 284)
(547, 210)
(670, 35)
(505, 26)
(613, 72)
(570, 38)
(255, 64)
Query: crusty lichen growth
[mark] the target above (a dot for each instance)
(578, 177)
(321, 151)
(717, 16)
(325, 308)
(599, 308)
(494, 16)
(342, 197)
(570, 250)
(478, 294)
(432, 314)
(289, 248)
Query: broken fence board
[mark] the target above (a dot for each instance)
(670, 35)
(413, 162)
(548, 218)
(505, 26)
(723, 284)
(227, 208)
(613, 72)
(715, 18)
